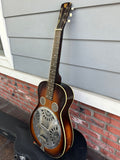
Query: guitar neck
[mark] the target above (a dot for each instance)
(53, 75)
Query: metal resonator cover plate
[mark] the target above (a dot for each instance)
(46, 127)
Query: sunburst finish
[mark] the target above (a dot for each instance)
(63, 96)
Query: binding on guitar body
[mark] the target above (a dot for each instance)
(50, 122)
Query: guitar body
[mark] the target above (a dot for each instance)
(50, 123)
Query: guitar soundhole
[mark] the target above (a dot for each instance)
(46, 127)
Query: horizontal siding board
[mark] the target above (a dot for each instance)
(99, 23)
(35, 6)
(96, 81)
(36, 48)
(91, 54)
(41, 25)
(32, 66)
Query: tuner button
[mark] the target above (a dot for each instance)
(70, 14)
(68, 20)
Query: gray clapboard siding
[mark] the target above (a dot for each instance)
(92, 54)
(99, 81)
(99, 23)
(12, 8)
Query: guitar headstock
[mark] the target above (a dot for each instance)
(64, 14)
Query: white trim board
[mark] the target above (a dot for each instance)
(7, 60)
(98, 101)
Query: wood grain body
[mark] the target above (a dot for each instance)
(63, 96)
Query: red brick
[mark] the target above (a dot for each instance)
(14, 102)
(99, 130)
(33, 104)
(81, 109)
(102, 117)
(30, 107)
(22, 98)
(32, 90)
(12, 86)
(74, 106)
(34, 100)
(74, 113)
(4, 95)
(33, 94)
(26, 109)
(93, 146)
(79, 121)
(9, 81)
(118, 153)
(19, 85)
(112, 137)
(89, 132)
(103, 132)
(110, 143)
(75, 102)
(110, 155)
(31, 87)
(100, 144)
(22, 91)
(114, 116)
(12, 82)
(6, 89)
(86, 111)
(72, 118)
(28, 98)
(115, 123)
(113, 130)
(83, 116)
(98, 123)
(26, 87)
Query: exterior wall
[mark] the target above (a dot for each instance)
(90, 46)
(101, 129)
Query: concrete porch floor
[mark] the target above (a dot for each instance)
(7, 147)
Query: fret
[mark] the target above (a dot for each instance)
(53, 65)
(52, 75)
(52, 71)
(50, 87)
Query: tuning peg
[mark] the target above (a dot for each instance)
(68, 20)
(72, 9)
(70, 14)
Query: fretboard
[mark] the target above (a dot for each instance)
(54, 63)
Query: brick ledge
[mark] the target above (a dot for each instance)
(104, 103)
